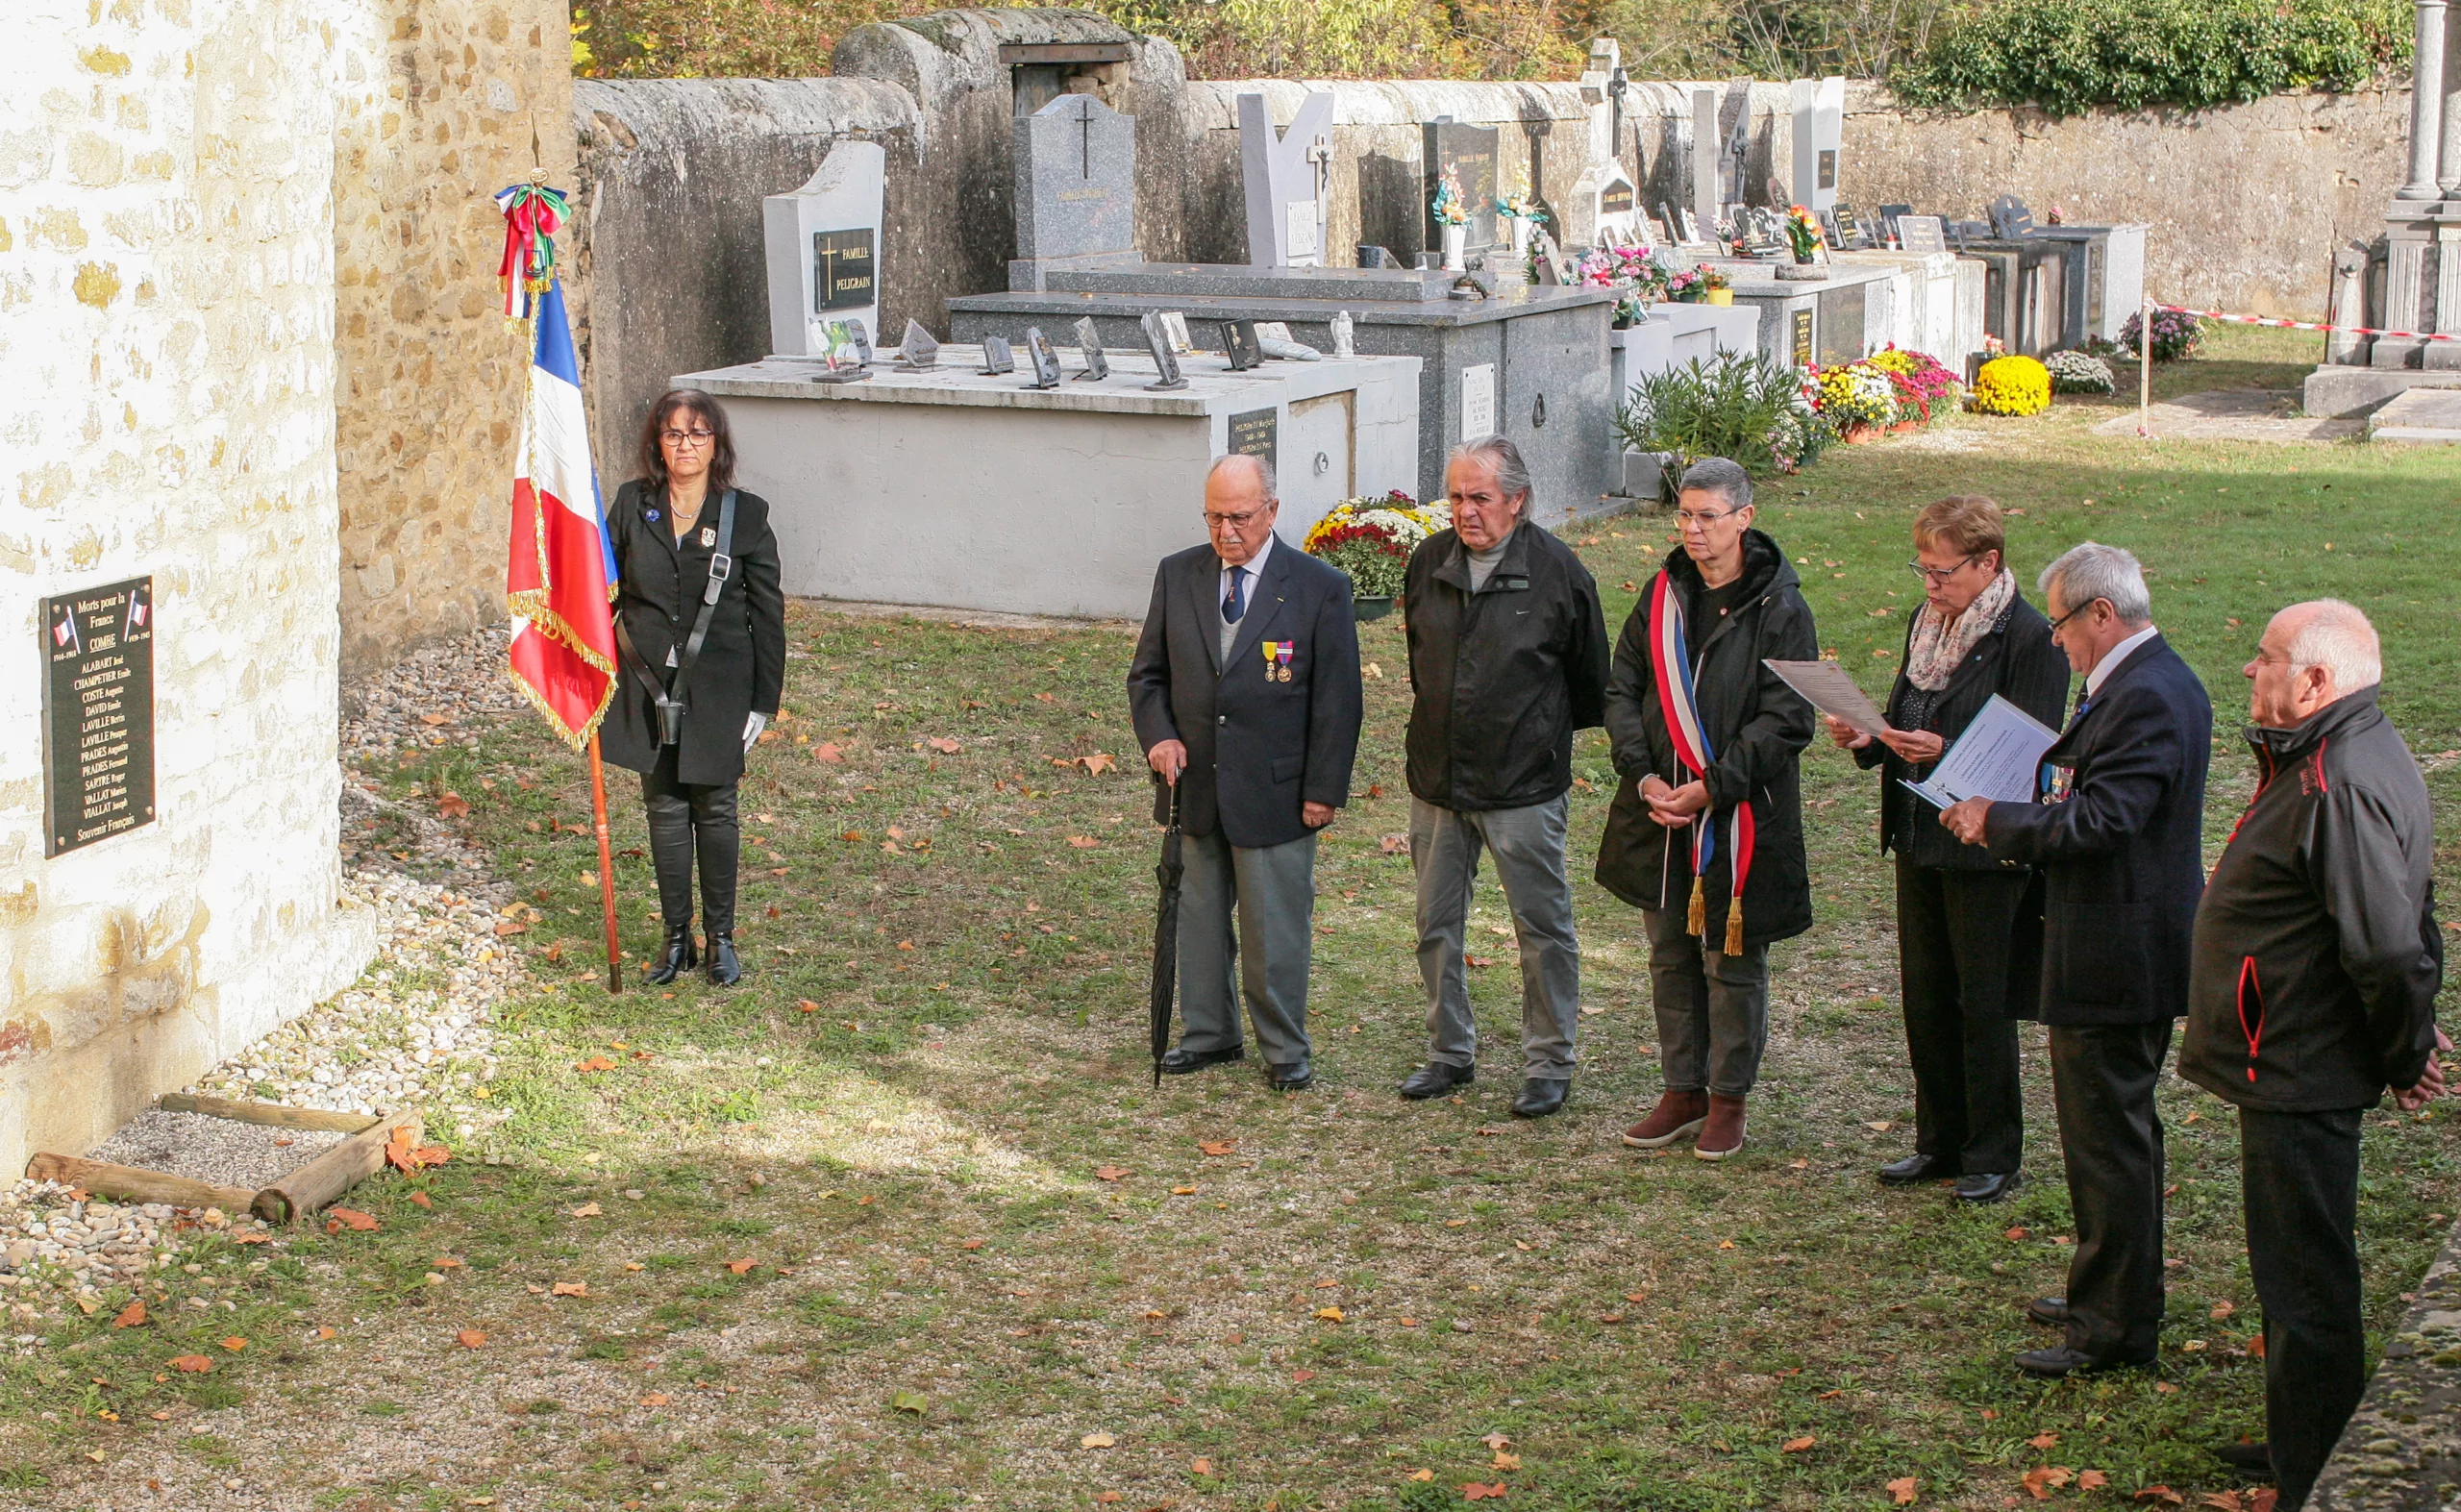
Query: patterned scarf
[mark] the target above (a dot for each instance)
(1933, 655)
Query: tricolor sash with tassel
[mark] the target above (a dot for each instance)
(1670, 658)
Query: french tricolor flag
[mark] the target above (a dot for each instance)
(560, 582)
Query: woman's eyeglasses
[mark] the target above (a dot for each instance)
(687, 438)
(1941, 574)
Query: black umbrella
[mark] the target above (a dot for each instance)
(1166, 935)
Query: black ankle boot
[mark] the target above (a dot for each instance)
(678, 957)
(725, 971)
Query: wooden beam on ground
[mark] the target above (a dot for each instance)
(128, 1183)
(273, 1114)
(337, 1170)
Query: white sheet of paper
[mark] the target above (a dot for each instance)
(1999, 757)
(1832, 690)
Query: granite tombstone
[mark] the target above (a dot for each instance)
(1287, 174)
(1468, 153)
(823, 249)
(1074, 168)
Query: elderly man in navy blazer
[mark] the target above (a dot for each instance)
(2118, 839)
(1246, 696)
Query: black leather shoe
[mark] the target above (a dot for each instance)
(725, 971)
(1290, 1079)
(1988, 1186)
(1914, 1170)
(2254, 1458)
(2051, 1312)
(2060, 1360)
(1435, 1078)
(1541, 1095)
(675, 957)
(1177, 1062)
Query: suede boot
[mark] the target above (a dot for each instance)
(1722, 1134)
(1676, 1114)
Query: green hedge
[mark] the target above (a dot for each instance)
(2068, 56)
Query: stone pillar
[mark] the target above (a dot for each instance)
(2349, 307)
(2407, 285)
(2446, 355)
(2450, 176)
(2426, 102)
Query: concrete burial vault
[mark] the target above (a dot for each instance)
(954, 487)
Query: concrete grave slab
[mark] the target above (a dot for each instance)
(2421, 415)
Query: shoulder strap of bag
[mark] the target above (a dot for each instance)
(721, 568)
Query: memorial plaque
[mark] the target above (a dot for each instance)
(997, 358)
(1257, 433)
(1089, 346)
(1175, 324)
(1239, 344)
(1616, 199)
(1046, 359)
(1478, 401)
(1158, 341)
(1827, 168)
(842, 267)
(98, 714)
(919, 350)
(1842, 317)
(1921, 233)
(1801, 344)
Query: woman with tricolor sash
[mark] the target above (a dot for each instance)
(1968, 927)
(1706, 835)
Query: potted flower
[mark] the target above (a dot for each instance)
(1716, 287)
(1684, 286)
(1802, 232)
(1370, 539)
(1451, 213)
(1523, 213)
(1859, 400)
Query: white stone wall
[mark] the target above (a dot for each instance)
(167, 406)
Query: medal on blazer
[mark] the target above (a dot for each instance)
(1278, 655)
(1670, 658)
(709, 536)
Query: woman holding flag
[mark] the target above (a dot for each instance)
(1706, 834)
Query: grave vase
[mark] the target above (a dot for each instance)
(1456, 238)
(1520, 236)
(1721, 296)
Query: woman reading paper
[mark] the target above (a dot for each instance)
(1958, 912)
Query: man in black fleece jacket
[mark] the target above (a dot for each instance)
(2311, 990)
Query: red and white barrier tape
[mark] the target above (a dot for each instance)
(2310, 325)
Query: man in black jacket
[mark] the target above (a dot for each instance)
(2119, 840)
(1246, 696)
(2317, 962)
(1733, 602)
(1508, 658)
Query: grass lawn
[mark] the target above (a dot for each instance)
(989, 1264)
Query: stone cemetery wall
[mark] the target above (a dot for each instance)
(2246, 203)
(1377, 196)
(166, 388)
(442, 103)
(670, 272)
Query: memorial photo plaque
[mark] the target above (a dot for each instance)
(1046, 360)
(1175, 324)
(1802, 345)
(1089, 346)
(1239, 343)
(1158, 341)
(919, 350)
(98, 713)
(841, 270)
(997, 357)
(1257, 433)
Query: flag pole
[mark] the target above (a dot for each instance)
(605, 867)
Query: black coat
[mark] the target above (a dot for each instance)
(2016, 660)
(1257, 747)
(2316, 951)
(1757, 727)
(1499, 679)
(743, 663)
(2121, 853)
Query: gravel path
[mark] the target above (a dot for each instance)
(417, 1030)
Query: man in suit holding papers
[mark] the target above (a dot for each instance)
(2118, 839)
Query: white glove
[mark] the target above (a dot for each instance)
(752, 724)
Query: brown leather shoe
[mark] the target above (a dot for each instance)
(1676, 1114)
(1722, 1134)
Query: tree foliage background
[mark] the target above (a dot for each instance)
(2061, 55)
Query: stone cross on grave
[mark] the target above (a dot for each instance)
(1075, 167)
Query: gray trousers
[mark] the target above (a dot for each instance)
(1712, 1007)
(1264, 958)
(1529, 846)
